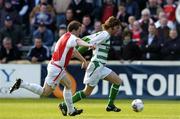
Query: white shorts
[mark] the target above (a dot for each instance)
(95, 71)
(55, 74)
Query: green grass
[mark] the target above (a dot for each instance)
(93, 109)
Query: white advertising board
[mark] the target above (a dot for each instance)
(10, 72)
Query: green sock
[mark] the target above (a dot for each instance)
(77, 96)
(113, 93)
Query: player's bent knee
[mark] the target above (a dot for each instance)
(67, 83)
(87, 91)
(47, 90)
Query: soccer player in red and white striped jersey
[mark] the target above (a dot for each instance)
(64, 50)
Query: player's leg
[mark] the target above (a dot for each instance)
(77, 97)
(83, 93)
(35, 88)
(116, 82)
(51, 80)
(67, 93)
(91, 79)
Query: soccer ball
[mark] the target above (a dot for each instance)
(137, 105)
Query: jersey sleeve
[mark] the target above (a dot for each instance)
(83, 49)
(100, 37)
(72, 41)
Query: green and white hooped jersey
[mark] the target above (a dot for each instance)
(102, 42)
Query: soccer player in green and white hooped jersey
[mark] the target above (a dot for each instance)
(96, 69)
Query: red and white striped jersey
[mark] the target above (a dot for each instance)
(64, 49)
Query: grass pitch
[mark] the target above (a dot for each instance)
(93, 109)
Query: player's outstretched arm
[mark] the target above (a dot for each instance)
(83, 49)
(77, 55)
(80, 42)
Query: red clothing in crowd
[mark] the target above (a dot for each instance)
(170, 11)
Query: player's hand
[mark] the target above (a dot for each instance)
(93, 47)
(84, 65)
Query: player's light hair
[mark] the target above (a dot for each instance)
(111, 22)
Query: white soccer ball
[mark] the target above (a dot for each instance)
(137, 105)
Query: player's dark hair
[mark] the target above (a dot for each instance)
(74, 25)
(111, 22)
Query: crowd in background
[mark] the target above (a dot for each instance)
(29, 29)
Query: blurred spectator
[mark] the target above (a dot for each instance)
(115, 45)
(60, 7)
(42, 16)
(61, 31)
(163, 30)
(79, 8)
(116, 40)
(97, 27)
(132, 8)
(151, 46)
(1, 5)
(145, 20)
(21, 6)
(45, 33)
(8, 52)
(9, 10)
(88, 24)
(69, 16)
(161, 3)
(38, 52)
(130, 50)
(12, 31)
(131, 21)
(95, 11)
(92, 13)
(137, 33)
(170, 9)
(38, 9)
(23, 9)
(90, 8)
(34, 3)
(37, 2)
(170, 24)
(171, 48)
(108, 9)
(122, 15)
(154, 9)
(84, 31)
(113, 53)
